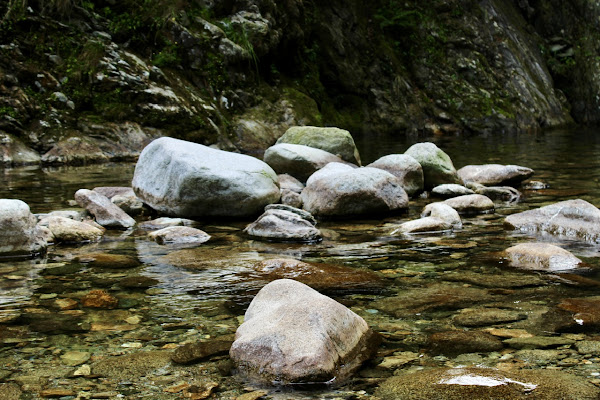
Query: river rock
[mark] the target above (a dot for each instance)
(495, 174)
(67, 230)
(341, 192)
(106, 213)
(192, 352)
(323, 277)
(19, 234)
(333, 140)
(584, 313)
(288, 182)
(131, 366)
(541, 257)
(423, 225)
(449, 190)
(502, 193)
(538, 342)
(99, 299)
(576, 219)
(283, 225)
(112, 191)
(179, 235)
(298, 160)
(293, 334)
(302, 213)
(109, 261)
(471, 204)
(437, 165)
(291, 198)
(165, 222)
(444, 212)
(453, 343)
(185, 179)
(486, 316)
(486, 383)
(405, 168)
(122, 197)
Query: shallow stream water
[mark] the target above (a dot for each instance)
(418, 285)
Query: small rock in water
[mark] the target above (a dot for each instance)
(19, 234)
(541, 257)
(471, 204)
(106, 213)
(74, 358)
(423, 225)
(165, 222)
(284, 225)
(449, 190)
(495, 174)
(179, 235)
(444, 212)
(453, 343)
(192, 352)
(99, 299)
(109, 261)
(67, 230)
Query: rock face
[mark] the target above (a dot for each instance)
(334, 192)
(571, 218)
(284, 225)
(405, 168)
(471, 204)
(495, 174)
(19, 234)
(541, 257)
(437, 165)
(106, 213)
(486, 383)
(185, 179)
(298, 160)
(333, 140)
(293, 334)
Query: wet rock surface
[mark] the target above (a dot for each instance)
(495, 174)
(471, 204)
(542, 257)
(104, 211)
(284, 225)
(405, 168)
(332, 140)
(180, 235)
(437, 165)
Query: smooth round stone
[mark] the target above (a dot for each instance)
(541, 257)
(449, 190)
(495, 174)
(437, 165)
(405, 168)
(471, 204)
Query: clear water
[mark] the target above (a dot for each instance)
(202, 293)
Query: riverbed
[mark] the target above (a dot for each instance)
(416, 286)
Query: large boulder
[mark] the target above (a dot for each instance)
(571, 218)
(337, 191)
(293, 334)
(333, 140)
(298, 160)
(405, 168)
(288, 225)
(19, 234)
(437, 165)
(186, 179)
(104, 211)
(495, 174)
(541, 257)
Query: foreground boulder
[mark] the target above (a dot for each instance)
(104, 211)
(576, 219)
(298, 160)
(333, 140)
(293, 334)
(19, 234)
(486, 383)
(284, 224)
(437, 165)
(186, 179)
(337, 191)
(405, 168)
(495, 174)
(541, 257)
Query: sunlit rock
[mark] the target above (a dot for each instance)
(449, 190)
(293, 334)
(104, 211)
(486, 383)
(495, 174)
(336, 191)
(19, 234)
(423, 225)
(575, 219)
(179, 235)
(405, 168)
(333, 140)
(67, 230)
(297, 160)
(165, 222)
(471, 204)
(185, 179)
(444, 212)
(542, 257)
(437, 165)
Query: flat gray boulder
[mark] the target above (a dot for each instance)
(337, 191)
(293, 334)
(437, 165)
(332, 140)
(449, 190)
(298, 160)
(495, 174)
(179, 235)
(541, 257)
(19, 233)
(575, 219)
(286, 225)
(184, 179)
(471, 204)
(104, 211)
(405, 168)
